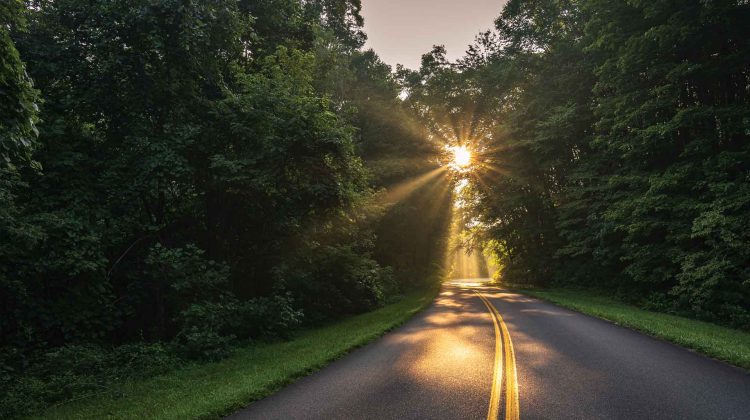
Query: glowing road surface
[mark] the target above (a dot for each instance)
(479, 352)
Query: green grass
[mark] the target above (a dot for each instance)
(213, 390)
(732, 346)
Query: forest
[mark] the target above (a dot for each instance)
(618, 157)
(180, 176)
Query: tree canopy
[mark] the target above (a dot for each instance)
(196, 173)
(616, 151)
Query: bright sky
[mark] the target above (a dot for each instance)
(400, 31)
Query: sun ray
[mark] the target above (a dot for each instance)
(404, 189)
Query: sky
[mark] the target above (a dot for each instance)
(400, 31)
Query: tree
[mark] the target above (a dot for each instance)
(18, 111)
(619, 150)
(18, 133)
(670, 93)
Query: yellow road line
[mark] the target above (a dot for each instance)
(497, 373)
(512, 411)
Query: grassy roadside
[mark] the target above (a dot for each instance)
(213, 390)
(732, 346)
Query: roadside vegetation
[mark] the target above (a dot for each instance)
(179, 177)
(251, 373)
(729, 345)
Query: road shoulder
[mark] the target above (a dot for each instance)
(721, 343)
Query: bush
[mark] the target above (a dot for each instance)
(341, 282)
(65, 372)
(209, 328)
(204, 334)
(266, 317)
(198, 343)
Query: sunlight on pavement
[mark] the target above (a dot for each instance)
(474, 282)
(457, 338)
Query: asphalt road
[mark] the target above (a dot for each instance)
(442, 365)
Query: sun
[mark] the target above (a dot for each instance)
(461, 156)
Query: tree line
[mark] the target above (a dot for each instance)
(612, 148)
(180, 175)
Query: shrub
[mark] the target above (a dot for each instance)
(203, 344)
(65, 372)
(209, 328)
(266, 317)
(342, 281)
(203, 331)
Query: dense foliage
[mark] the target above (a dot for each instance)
(618, 153)
(184, 174)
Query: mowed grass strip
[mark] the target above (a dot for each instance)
(729, 345)
(216, 389)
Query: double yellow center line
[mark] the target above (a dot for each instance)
(502, 341)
